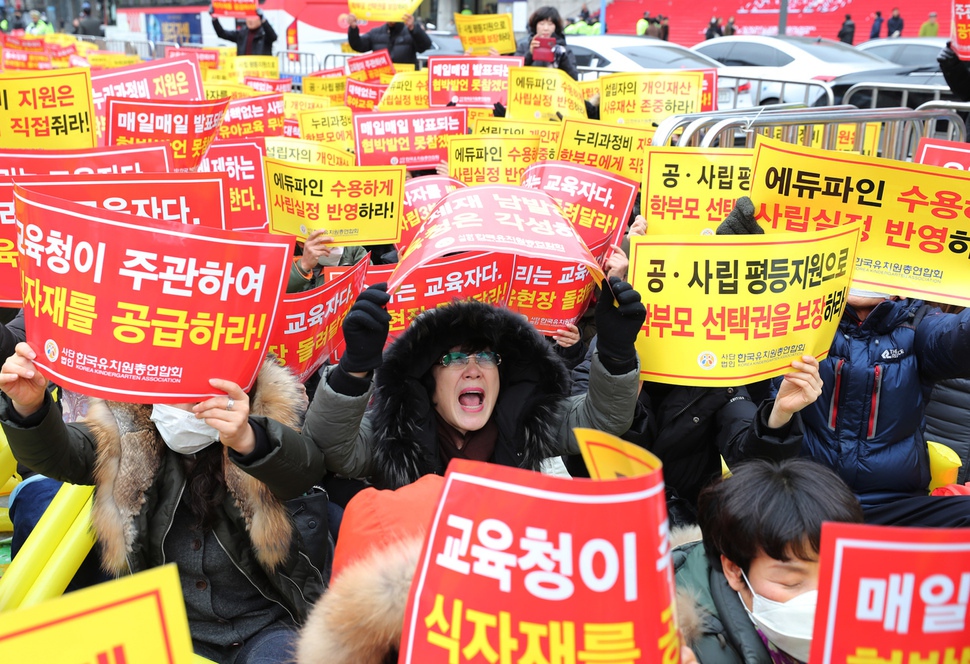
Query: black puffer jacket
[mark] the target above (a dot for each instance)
(262, 43)
(402, 44)
(948, 420)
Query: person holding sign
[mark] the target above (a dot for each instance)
(315, 254)
(467, 380)
(753, 585)
(403, 40)
(545, 46)
(198, 484)
(255, 38)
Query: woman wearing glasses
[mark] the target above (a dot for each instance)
(470, 381)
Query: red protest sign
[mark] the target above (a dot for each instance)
(18, 59)
(142, 311)
(892, 595)
(336, 72)
(242, 161)
(360, 96)
(518, 564)
(148, 158)
(961, 30)
(309, 327)
(188, 126)
(269, 84)
(185, 198)
(464, 80)
(551, 294)
(369, 67)
(24, 43)
(406, 138)
(291, 128)
(948, 154)
(420, 197)
(234, 8)
(709, 90)
(505, 219)
(597, 202)
(253, 116)
(206, 58)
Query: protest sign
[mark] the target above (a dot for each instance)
(846, 137)
(382, 10)
(295, 103)
(613, 148)
(609, 458)
(359, 206)
(948, 154)
(47, 110)
(463, 80)
(291, 128)
(420, 197)
(229, 91)
(915, 232)
(541, 93)
(333, 126)
(234, 8)
(892, 595)
(549, 293)
(257, 66)
(710, 95)
(242, 162)
(333, 88)
(261, 115)
(479, 159)
(370, 66)
(306, 152)
(138, 618)
(480, 33)
(406, 91)
(414, 139)
(15, 59)
(960, 33)
(548, 133)
(520, 565)
(360, 96)
(269, 84)
(310, 323)
(735, 309)
(690, 191)
(206, 58)
(138, 310)
(195, 125)
(646, 98)
(221, 75)
(110, 60)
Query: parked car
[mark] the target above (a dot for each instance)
(906, 51)
(788, 58)
(911, 79)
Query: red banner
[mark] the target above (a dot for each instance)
(291, 128)
(406, 138)
(470, 81)
(242, 161)
(234, 8)
(33, 60)
(360, 96)
(269, 84)
(948, 154)
(309, 328)
(961, 30)
(522, 566)
(253, 117)
(185, 198)
(24, 43)
(551, 294)
(142, 311)
(336, 72)
(420, 197)
(149, 159)
(369, 68)
(206, 58)
(709, 90)
(292, 41)
(596, 201)
(892, 595)
(188, 126)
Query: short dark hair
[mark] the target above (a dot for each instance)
(545, 14)
(775, 508)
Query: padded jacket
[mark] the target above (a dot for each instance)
(402, 44)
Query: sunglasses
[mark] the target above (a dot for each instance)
(484, 358)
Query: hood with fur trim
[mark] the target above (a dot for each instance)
(129, 458)
(533, 383)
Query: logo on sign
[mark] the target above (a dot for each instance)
(707, 360)
(51, 350)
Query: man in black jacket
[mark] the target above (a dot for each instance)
(256, 38)
(955, 72)
(403, 40)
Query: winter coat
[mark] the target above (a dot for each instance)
(139, 484)
(89, 25)
(957, 76)
(868, 423)
(876, 27)
(948, 420)
(396, 442)
(263, 38)
(11, 334)
(847, 31)
(691, 428)
(402, 44)
(299, 282)
(563, 55)
(894, 25)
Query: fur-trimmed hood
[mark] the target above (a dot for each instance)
(533, 381)
(130, 455)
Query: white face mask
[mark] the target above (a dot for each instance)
(789, 624)
(181, 430)
(333, 258)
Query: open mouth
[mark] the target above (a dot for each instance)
(472, 399)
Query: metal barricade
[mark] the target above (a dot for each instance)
(689, 128)
(144, 49)
(904, 90)
(296, 65)
(334, 60)
(158, 50)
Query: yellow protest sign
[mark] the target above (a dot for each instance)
(227, 90)
(49, 110)
(306, 152)
(355, 206)
(295, 103)
(735, 309)
(610, 458)
(478, 159)
(407, 91)
(590, 88)
(257, 66)
(539, 93)
(650, 96)
(691, 190)
(614, 148)
(382, 10)
(845, 137)
(139, 618)
(333, 126)
(60, 38)
(476, 113)
(404, 67)
(105, 60)
(480, 33)
(915, 229)
(220, 76)
(548, 133)
(331, 87)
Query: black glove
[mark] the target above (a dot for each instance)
(947, 56)
(740, 220)
(365, 330)
(498, 110)
(617, 327)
